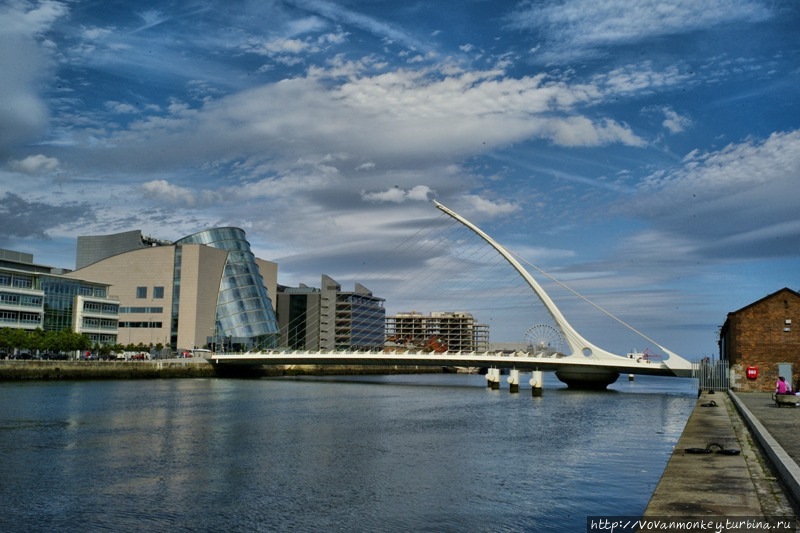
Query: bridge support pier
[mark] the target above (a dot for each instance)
(493, 378)
(513, 380)
(587, 377)
(536, 382)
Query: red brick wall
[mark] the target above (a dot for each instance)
(756, 337)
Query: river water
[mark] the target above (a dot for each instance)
(434, 452)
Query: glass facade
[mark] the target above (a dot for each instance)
(98, 316)
(35, 296)
(244, 315)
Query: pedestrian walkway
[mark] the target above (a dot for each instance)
(777, 431)
(722, 483)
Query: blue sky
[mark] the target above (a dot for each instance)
(646, 152)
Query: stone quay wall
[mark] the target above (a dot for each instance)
(197, 368)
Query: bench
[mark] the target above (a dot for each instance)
(786, 399)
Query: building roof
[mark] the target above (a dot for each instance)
(767, 297)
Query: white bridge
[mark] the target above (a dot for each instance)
(585, 366)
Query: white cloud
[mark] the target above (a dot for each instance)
(394, 195)
(571, 28)
(738, 201)
(638, 78)
(120, 107)
(165, 192)
(305, 25)
(22, 18)
(580, 131)
(674, 122)
(35, 164)
(490, 208)
(291, 46)
(420, 116)
(397, 195)
(336, 12)
(23, 114)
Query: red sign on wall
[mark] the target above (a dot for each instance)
(752, 372)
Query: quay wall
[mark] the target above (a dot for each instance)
(196, 368)
(71, 370)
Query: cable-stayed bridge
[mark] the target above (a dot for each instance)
(580, 364)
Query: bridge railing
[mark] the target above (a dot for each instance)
(711, 375)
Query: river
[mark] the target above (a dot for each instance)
(432, 452)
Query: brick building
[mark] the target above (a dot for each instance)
(763, 337)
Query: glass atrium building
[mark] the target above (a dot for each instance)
(244, 314)
(203, 290)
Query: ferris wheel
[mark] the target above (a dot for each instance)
(544, 339)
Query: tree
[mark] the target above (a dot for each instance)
(5, 340)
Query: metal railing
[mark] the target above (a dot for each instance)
(711, 375)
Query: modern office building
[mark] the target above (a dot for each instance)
(298, 311)
(37, 296)
(439, 331)
(328, 318)
(204, 290)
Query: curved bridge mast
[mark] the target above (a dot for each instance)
(579, 346)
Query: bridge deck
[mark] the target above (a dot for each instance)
(519, 361)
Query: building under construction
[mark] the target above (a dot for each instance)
(439, 332)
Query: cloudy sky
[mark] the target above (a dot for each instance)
(645, 151)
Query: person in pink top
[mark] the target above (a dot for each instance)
(781, 387)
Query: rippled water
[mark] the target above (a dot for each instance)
(396, 453)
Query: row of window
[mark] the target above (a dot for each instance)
(149, 310)
(111, 309)
(156, 325)
(14, 317)
(99, 323)
(102, 338)
(16, 280)
(27, 300)
(158, 292)
(97, 292)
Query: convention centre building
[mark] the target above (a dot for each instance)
(204, 290)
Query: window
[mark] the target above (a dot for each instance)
(29, 318)
(23, 282)
(158, 292)
(9, 298)
(141, 292)
(31, 301)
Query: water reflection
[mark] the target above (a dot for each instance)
(422, 452)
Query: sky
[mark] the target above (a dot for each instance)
(645, 152)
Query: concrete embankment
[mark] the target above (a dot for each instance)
(66, 370)
(717, 470)
(194, 368)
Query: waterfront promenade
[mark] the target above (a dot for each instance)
(760, 481)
